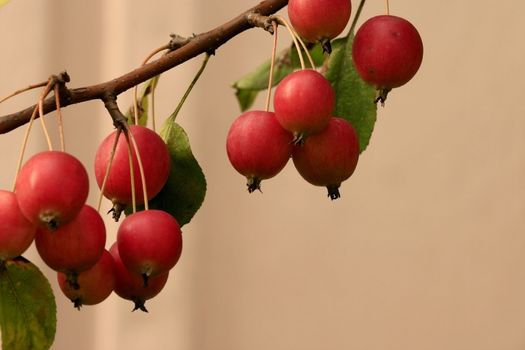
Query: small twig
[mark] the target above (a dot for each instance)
(206, 42)
(177, 41)
(258, 20)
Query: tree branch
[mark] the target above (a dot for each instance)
(206, 42)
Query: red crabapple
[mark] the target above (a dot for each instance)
(16, 232)
(94, 284)
(149, 243)
(387, 52)
(329, 157)
(258, 147)
(319, 20)
(155, 161)
(75, 246)
(51, 188)
(304, 101)
(130, 286)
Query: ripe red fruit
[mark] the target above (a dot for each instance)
(75, 246)
(258, 147)
(16, 232)
(130, 286)
(319, 20)
(387, 52)
(94, 284)
(304, 101)
(330, 157)
(149, 242)
(51, 188)
(155, 161)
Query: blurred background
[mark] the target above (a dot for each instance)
(426, 247)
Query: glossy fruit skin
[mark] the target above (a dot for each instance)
(130, 286)
(149, 242)
(318, 20)
(303, 102)
(155, 161)
(329, 157)
(387, 51)
(258, 147)
(16, 232)
(94, 284)
(75, 246)
(52, 188)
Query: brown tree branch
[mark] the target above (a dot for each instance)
(205, 42)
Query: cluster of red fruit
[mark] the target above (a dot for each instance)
(324, 148)
(48, 206)
(387, 52)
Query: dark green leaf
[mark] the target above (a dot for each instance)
(143, 103)
(355, 98)
(184, 192)
(286, 62)
(27, 307)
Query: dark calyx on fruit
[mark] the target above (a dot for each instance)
(253, 184)
(333, 191)
(140, 304)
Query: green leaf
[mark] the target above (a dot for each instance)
(183, 194)
(27, 307)
(248, 87)
(355, 98)
(143, 103)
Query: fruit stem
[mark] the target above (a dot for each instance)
(18, 92)
(356, 17)
(131, 170)
(173, 116)
(110, 163)
(387, 8)
(153, 118)
(305, 48)
(46, 91)
(60, 121)
(272, 66)
(24, 145)
(135, 102)
(141, 168)
(282, 21)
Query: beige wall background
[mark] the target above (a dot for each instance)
(426, 248)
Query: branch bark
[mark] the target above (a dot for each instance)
(205, 42)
